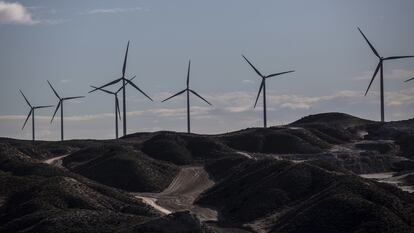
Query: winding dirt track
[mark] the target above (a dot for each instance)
(56, 161)
(181, 194)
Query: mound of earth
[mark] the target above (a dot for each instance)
(286, 197)
(276, 140)
(47, 149)
(17, 163)
(36, 197)
(183, 149)
(168, 147)
(402, 132)
(331, 134)
(39, 198)
(333, 119)
(293, 178)
(180, 222)
(121, 167)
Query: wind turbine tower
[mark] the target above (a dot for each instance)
(124, 82)
(60, 105)
(263, 87)
(32, 114)
(188, 91)
(380, 67)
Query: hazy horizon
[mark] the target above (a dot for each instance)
(82, 43)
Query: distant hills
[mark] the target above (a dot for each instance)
(301, 177)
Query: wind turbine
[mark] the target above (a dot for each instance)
(380, 67)
(263, 86)
(117, 111)
(124, 81)
(32, 113)
(409, 80)
(188, 90)
(60, 105)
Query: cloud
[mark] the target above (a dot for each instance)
(42, 9)
(236, 102)
(306, 102)
(367, 75)
(69, 118)
(53, 21)
(400, 98)
(15, 13)
(248, 81)
(114, 10)
(395, 74)
(240, 104)
(400, 74)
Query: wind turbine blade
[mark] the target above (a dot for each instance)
(373, 77)
(409, 80)
(135, 86)
(272, 75)
(254, 68)
(117, 107)
(188, 73)
(199, 96)
(27, 118)
(57, 108)
(397, 57)
(53, 89)
(25, 98)
(125, 60)
(132, 78)
(103, 90)
(369, 43)
(179, 93)
(74, 97)
(108, 84)
(258, 94)
(43, 106)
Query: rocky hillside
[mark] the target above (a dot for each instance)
(301, 177)
(282, 196)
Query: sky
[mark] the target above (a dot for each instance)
(78, 43)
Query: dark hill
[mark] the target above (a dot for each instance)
(184, 149)
(402, 132)
(47, 149)
(339, 120)
(121, 167)
(276, 140)
(180, 222)
(286, 197)
(39, 198)
(251, 181)
(36, 197)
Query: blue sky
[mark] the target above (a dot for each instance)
(75, 44)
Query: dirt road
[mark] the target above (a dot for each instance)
(55, 161)
(181, 194)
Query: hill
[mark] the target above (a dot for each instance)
(301, 177)
(285, 197)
